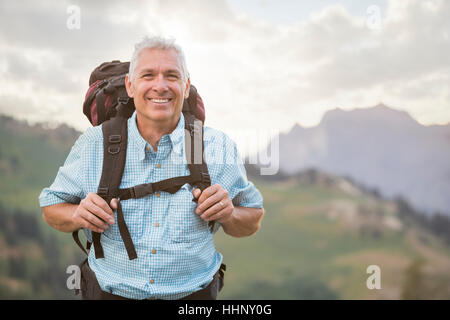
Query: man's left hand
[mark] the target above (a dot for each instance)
(214, 204)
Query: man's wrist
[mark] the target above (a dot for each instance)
(230, 220)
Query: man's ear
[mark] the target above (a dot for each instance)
(128, 86)
(188, 87)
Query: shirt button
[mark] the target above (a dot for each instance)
(147, 148)
(152, 281)
(157, 224)
(158, 194)
(153, 251)
(159, 165)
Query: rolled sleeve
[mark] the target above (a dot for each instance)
(68, 184)
(228, 170)
(233, 177)
(242, 192)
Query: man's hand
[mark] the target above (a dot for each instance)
(214, 204)
(94, 213)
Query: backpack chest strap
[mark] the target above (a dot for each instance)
(170, 185)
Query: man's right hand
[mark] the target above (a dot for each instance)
(93, 213)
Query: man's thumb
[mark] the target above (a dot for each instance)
(196, 192)
(113, 203)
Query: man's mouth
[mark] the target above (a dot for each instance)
(160, 100)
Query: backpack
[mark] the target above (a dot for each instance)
(108, 104)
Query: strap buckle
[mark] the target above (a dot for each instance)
(123, 100)
(193, 129)
(115, 138)
(205, 178)
(141, 190)
(102, 84)
(102, 191)
(113, 149)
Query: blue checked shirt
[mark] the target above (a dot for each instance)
(175, 247)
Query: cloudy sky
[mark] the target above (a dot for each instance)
(258, 64)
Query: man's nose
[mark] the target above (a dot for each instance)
(160, 84)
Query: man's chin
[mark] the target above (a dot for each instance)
(159, 115)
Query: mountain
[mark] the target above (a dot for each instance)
(380, 147)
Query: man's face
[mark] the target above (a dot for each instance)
(158, 88)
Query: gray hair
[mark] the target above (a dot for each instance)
(157, 42)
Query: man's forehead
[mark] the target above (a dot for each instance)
(158, 58)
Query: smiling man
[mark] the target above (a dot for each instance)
(175, 248)
(158, 84)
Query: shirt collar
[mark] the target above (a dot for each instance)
(176, 137)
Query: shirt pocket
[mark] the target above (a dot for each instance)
(184, 224)
(134, 219)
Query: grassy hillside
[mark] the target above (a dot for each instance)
(319, 234)
(32, 263)
(33, 256)
(317, 241)
(29, 159)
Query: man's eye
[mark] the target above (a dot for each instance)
(148, 75)
(173, 76)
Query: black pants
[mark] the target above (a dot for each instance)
(91, 290)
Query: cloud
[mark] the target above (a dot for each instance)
(251, 73)
(42, 70)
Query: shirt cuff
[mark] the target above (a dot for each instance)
(48, 198)
(256, 205)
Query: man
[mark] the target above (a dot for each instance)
(175, 248)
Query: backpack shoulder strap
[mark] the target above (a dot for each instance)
(115, 137)
(194, 148)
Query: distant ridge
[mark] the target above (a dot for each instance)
(379, 146)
